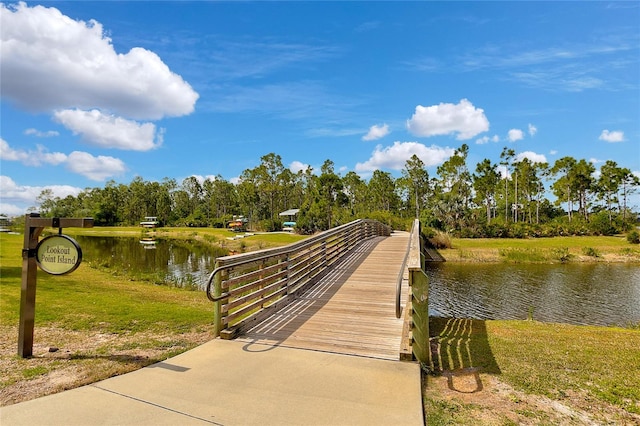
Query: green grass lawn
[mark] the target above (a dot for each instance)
(88, 299)
(544, 250)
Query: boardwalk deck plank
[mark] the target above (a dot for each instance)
(351, 311)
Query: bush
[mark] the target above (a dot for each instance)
(633, 237)
(600, 225)
(590, 251)
(562, 254)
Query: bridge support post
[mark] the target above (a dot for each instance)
(420, 315)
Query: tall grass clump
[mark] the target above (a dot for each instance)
(633, 237)
(440, 240)
(562, 254)
(590, 251)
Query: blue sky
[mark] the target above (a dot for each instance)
(93, 91)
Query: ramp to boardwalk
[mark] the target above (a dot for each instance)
(351, 311)
(232, 383)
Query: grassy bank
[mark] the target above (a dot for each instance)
(542, 250)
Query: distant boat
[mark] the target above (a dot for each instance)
(238, 224)
(150, 222)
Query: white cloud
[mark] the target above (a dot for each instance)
(532, 130)
(17, 198)
(40, 134)
(50, 61)
(443, 119)
(30, 158)
(515, 135)
(553, 152)
(504, 172)
(613, 136)
(11, 210)
(94, 168)
(394, 157)
(376, 132)
(486, 139)
(532, 156)
(109, 131)
(297, 166)
(83, 163)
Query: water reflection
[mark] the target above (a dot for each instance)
(172, 262)
(599, 294)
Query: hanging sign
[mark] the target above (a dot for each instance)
(58, 254)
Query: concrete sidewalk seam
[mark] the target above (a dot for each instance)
(156, 405)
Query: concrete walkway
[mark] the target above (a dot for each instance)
(238, 383)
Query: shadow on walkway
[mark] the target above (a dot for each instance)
(282, 324)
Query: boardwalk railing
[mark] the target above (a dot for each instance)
(415, 335)
(248, 287)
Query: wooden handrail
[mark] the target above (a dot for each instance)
(411, 246)
(248, 287)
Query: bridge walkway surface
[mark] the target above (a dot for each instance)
(351, 311)
(264, 378)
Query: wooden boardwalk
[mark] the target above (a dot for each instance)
(351, 311)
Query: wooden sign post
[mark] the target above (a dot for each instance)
(33, 226)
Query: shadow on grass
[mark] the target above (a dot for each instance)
(139, 360)
(10, 272)
(460, 348)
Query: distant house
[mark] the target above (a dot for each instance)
(290, 224)
(149, 222)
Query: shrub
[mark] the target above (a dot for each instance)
(633, 237)
(590, 251)
(428, 232)
(600, 225)
(562, 254)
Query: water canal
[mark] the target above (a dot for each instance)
(179, 263)
(598, 294)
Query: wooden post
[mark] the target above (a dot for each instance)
(420, 315)
(33, 226)
(28, 289)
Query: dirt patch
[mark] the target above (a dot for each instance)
(64, 359)
(469, 397)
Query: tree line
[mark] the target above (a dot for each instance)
(472, 203)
